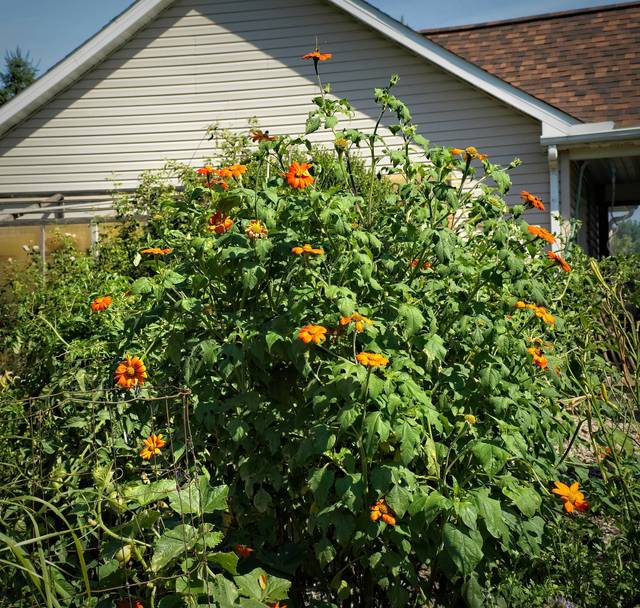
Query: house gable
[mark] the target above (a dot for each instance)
(204, 61)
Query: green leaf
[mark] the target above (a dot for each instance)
(325, 552)
(330, 122)
(435, 349)
(321, 482)
(172, 544)
(142, 285)
(473, 593)
(199, 497)
(491, 457)
(225, 593)
(491, 513)
(262, 500)
(412, 319)
(525, 498)
(463, 550)
(468, 514)
(144, 494)
(226, 561)
(313, 124)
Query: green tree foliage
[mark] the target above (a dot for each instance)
(19, 73)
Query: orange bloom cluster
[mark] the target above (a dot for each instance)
(101, 303)
(313, 333)
(414, 264)
(382, 510)
(372, 359)
(469, 153)
(231, 171)
(532, 200)
(540, 311)
(152, 444)
(257, 135)
(358, 319)
(220, 223)
(298, 176)
(256, 230)
(317, 56)
(157, 251)
(559, 260)
(538, 356)
(571, 496)
(541, 233)
(242, 551)
(130, 372)
(307, 249)
(277, 605)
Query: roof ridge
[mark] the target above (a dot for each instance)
(531, 18)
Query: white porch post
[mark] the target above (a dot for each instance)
(554, 188)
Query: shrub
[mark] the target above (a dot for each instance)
(368, 372)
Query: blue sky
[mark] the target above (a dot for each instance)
(49, 29)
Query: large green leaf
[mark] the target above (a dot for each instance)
(412, 319)
(199, 497)
(172, 544)
(144, 494)
(491, 457)
(464, 551)
(490, 511)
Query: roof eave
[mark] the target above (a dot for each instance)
(79, 62)
(595, 135)
(450, 62)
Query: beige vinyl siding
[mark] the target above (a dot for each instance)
(205, 61)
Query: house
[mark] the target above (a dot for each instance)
(144, 89)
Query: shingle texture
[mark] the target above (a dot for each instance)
(586, 63)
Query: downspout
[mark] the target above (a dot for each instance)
(554, 189)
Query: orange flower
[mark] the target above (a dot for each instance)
(571, 496)
(541, 233)
(470, 153)
(220, 223)
(313, 333)
(277, 605)
(558, 259)
(152, 443)
(542, 313)
(206, 170)
(307, 249)
(532, 200)
(414, 264)
(157, 251)
(101, 303)
(242, 551)
(257, 136)
(317, 56)
(456, 151)
(382, 510)
(130, 372)
(358, 319)
(224, 172)
(256, 230)
(298, 176)
(538, 356)
(372, 359)
(603, 452)
(236, 170)
(125, 603)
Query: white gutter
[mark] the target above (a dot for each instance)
(596, 135)
(80, 61)
(452, 63)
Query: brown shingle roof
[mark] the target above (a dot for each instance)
(584, 62)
